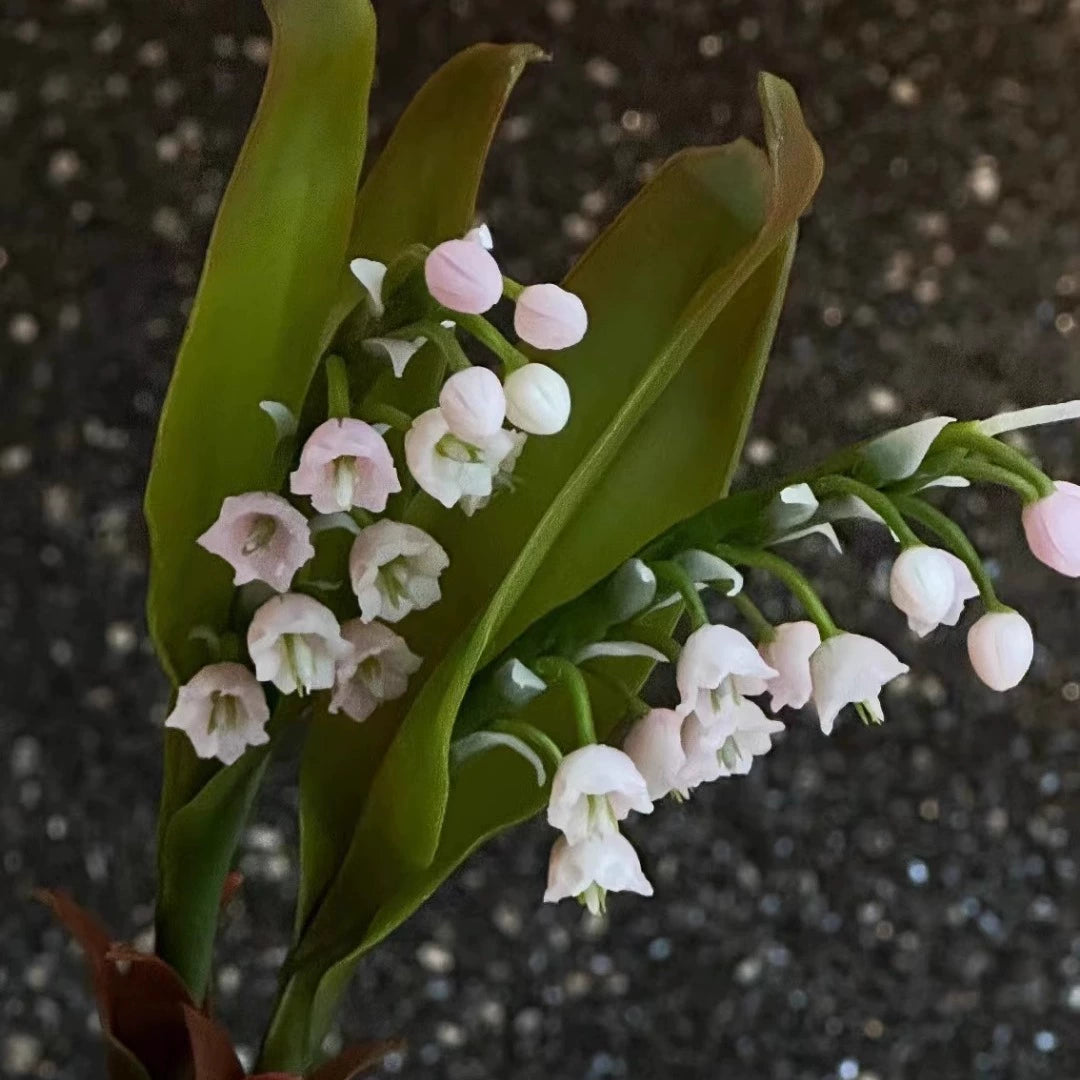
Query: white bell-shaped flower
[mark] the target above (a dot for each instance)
(223, 711)
(789, 652)
(710, 670)
(394, 569)
(654, 745)
(595, 787)
(589, 870)
(850, 669)
(473, 403)
(1001, 648)
(448, 467)
(922, 585)
(712, 753)
(375, 669)
(295, 643)
(262, 536)
(537, 399)
(503, 480)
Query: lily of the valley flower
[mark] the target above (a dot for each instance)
(473, 403)
(503, 480)
(375, 669)
(395, 569)
(371, 273)
(549, 317)
(654, 745)
(594, 788)
(708, 673)
(850, 669)
(789, 652)
(262, 537)
(1001, 648)
(712, 753)
(929, 585)
(345, 463)
(589, 870)
(223, 711)
(295, 643)
(463, 276)
(537, 399)
(446, 466)
(1052, 528)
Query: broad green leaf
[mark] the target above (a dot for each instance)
(256, 331)
(197, 851)
(422, 189)
(714, 229)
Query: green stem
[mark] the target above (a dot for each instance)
(675, 577)
(529, 733)
(956, 541)
(878, 501)
(511, 288)
(488, 336)
(803, 591)
(984, 472)
(337, 387)
(443, 340)
(761, 626)
(376, 412)
(634, 705)
(557, 669)
(998, 453)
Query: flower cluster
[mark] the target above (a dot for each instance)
(717, 729)
(459, 452)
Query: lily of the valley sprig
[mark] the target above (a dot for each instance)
(419, 532)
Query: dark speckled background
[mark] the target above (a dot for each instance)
(892, 903)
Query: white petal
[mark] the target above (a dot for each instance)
(479, 741)
(370, 273)
(947, 482)
(793, 506)
(704, 567)
(618, 649)
(1025, 418)
(898, 454)
(518, 684)
(654, 744)
(399, 351)
(481, 235)
(847, 669)
(823, 528)
(712, 654)
(284, 418)
(598, 771)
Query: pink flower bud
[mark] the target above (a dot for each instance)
(473, 403)
(1052, 527)
(1001, 647)
(537, 399)
(464, 277)
(549, 317)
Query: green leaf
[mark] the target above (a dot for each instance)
(683, 293)
(196, 855)
(422, 189)
(257, 329)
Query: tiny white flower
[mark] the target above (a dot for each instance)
(789, 652)
(595, 787)
(537, 399)
(922, 584)
(394, 569)
(223, 711)
(371, 274)
(849, 669)
(375, 669)
(654, 745)
(473, 403)
(712, 753)
(708, 673)
(295, 643)
(594, 867)
(503, 480)
(262, 536)
(447, 467)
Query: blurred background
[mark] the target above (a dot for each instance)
(890, 903)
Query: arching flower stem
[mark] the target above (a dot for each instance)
(556, 670)
(878, 501)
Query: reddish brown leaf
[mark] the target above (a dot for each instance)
(355, 1060)
(212, 1051)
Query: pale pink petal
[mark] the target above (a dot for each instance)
(463, 276)
(1052, 528)
(789, 653)
(549, 317)
(654, 744)
(473, 403)
(295, 643)
(1001, 648)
